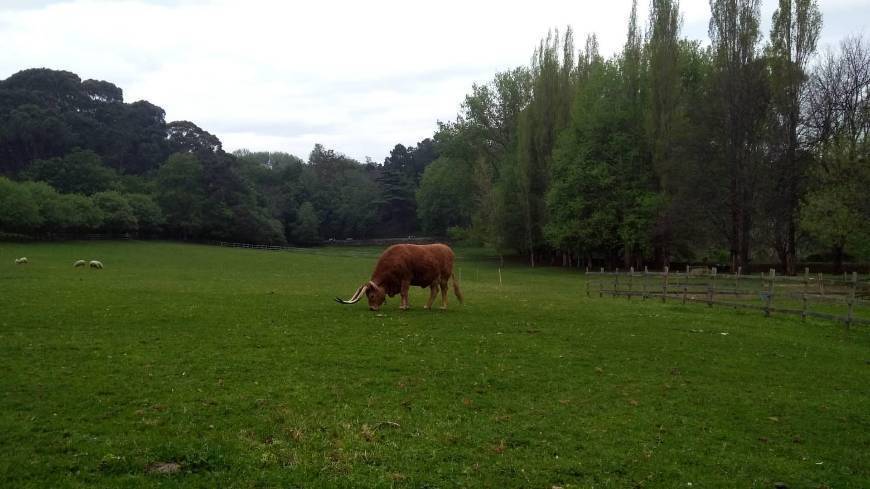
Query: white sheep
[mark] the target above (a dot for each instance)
(80, 263)
(21, 261)
(96, 264)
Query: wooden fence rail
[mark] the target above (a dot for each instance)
(767, 292)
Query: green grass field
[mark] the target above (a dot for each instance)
(234, 368)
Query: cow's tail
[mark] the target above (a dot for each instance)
(456, 289)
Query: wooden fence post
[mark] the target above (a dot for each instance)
(804, 306)
(712, 288)
(806, 279)
(665, 285)
(852, 299)
(643, 283)
(686, 283)
(770, 290)
(587, 282)
(601, 284)
(821, 285)
(804, 295)
(615, 282)
(630, 275)
(737, 282)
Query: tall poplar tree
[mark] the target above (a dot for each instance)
(793, 36)
(664, 109)
(547, 114)
(739, 96)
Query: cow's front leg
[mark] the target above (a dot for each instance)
(405, 287)
(433, 291)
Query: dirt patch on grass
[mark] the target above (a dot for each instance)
(163, 468)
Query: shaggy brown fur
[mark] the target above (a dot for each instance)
(404, 265)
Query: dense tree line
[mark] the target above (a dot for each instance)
(738, 151)
(74, 158)
(742, 150)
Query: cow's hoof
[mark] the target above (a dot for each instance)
(404, 308)
(443, 308)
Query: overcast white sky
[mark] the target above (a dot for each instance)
(356, 76)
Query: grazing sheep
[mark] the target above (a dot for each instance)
(80, 263)
(21, 261)
(96, 264)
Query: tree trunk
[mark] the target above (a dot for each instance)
(734, 239)
(791, 268)
(745, 244)
(838, 260)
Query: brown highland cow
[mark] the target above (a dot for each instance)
(404, 265)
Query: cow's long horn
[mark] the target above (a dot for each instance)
(356, 296)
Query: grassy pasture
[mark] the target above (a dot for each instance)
(237, 366)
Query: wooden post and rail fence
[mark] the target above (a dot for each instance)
(845, 299)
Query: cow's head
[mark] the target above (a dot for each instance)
(375, 294)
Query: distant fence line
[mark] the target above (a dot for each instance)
(384, 241)
(770, 293)
(230, 244)
(343, 242)
(133, 236)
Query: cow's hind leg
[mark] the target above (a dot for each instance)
(433, 291)
(443, 294)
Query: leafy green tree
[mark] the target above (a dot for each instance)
(547, 114)
(827, 216)
(181, 194)
(397, 183)
(794, 32)
(305, 231)
(118, 215)
(251, 223)
(132, 138)
(444, 198)
(44, 113)
(836, 211)
(81, 171)
(149, 216)
(62, 213)
(666, 115)
(187, 137)
(739, 97)
(602, 196)
(19, 211)
(81, 213)
(59, 90)
(484, 136)
(276, 178)
(345, 195)
(360, 207)
(52, 213)
(103, 92)
(664, 80)
(584, 216)
(29, 132)
(422, 155)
